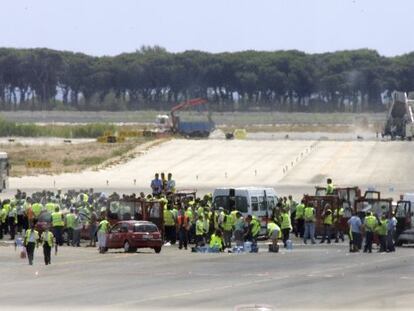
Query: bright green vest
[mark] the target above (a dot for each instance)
(330, 189)
(168, 218)
(309, 214)
(286, 224)
(70, 220)
(299, 211)
(50, 207)
(255, 226)
(215, 241)
(382, 228)
(104, 226)
(199, 227)
(271, 226)
(57, 219)
(37, 209)
(328, 218)
(370, 223)
(48, 239)
(227, 223)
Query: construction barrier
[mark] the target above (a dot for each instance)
(240, 133)
(111, 139)
(38, 164)
(130, 133)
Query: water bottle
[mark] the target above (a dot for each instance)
(289, 245)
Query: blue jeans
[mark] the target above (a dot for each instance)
(309, 232)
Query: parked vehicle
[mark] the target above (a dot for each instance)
(404, 214)
(257, 201)
(132, 234)
(4, 171)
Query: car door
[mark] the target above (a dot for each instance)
(114, 236)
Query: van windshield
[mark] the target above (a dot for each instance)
(241, 204)
(222, 201)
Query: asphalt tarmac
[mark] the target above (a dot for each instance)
(307, 277)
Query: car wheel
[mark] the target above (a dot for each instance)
(157, 250)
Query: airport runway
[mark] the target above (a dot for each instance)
(291, 166)
(308, 277)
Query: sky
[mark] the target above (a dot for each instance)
(104, 27)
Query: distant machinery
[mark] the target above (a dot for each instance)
(400, 119)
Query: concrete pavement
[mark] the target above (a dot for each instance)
(308, 277)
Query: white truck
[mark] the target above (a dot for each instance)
(4, 171)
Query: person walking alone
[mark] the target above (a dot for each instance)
(31, 240)
(47, 241)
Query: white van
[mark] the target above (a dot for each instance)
(258, 201)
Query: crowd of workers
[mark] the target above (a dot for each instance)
(189, 219)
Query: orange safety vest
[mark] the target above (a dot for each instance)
(182, 220)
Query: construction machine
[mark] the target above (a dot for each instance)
(186, 128)
(400, 119)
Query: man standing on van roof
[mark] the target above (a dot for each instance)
(330, 188)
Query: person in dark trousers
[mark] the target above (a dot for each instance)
(31, 240)
(370, 224)
(183, 224)
(47, 241)
(355, 226)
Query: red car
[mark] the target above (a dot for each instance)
(133, 234)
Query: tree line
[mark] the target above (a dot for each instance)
(153, 78)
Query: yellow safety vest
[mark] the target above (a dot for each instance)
(328, 218)
(104, 226)
(199, 227)
(47, 238)
(215, 242)
(309, 214)
(57, 219)
(255, 226)
(299, 211)
(370, 223)
(286, 224)
(271, 227)
(168, 218)
(70, 220)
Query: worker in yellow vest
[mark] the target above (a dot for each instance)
(274, 233)
(299, 218)
(330, 188)
(309, 216)
(36, 209)
(58, 224)
(285, 225)
(339, 218)
(70, 226)
(382, 230)
(327, 223)
(2, 221)
(216, 242)
(227, 227)
(200, 231)
(31, 240)
(370, 224)
(103, 230)
(12, 219)
(47, 241)
(169, 225)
